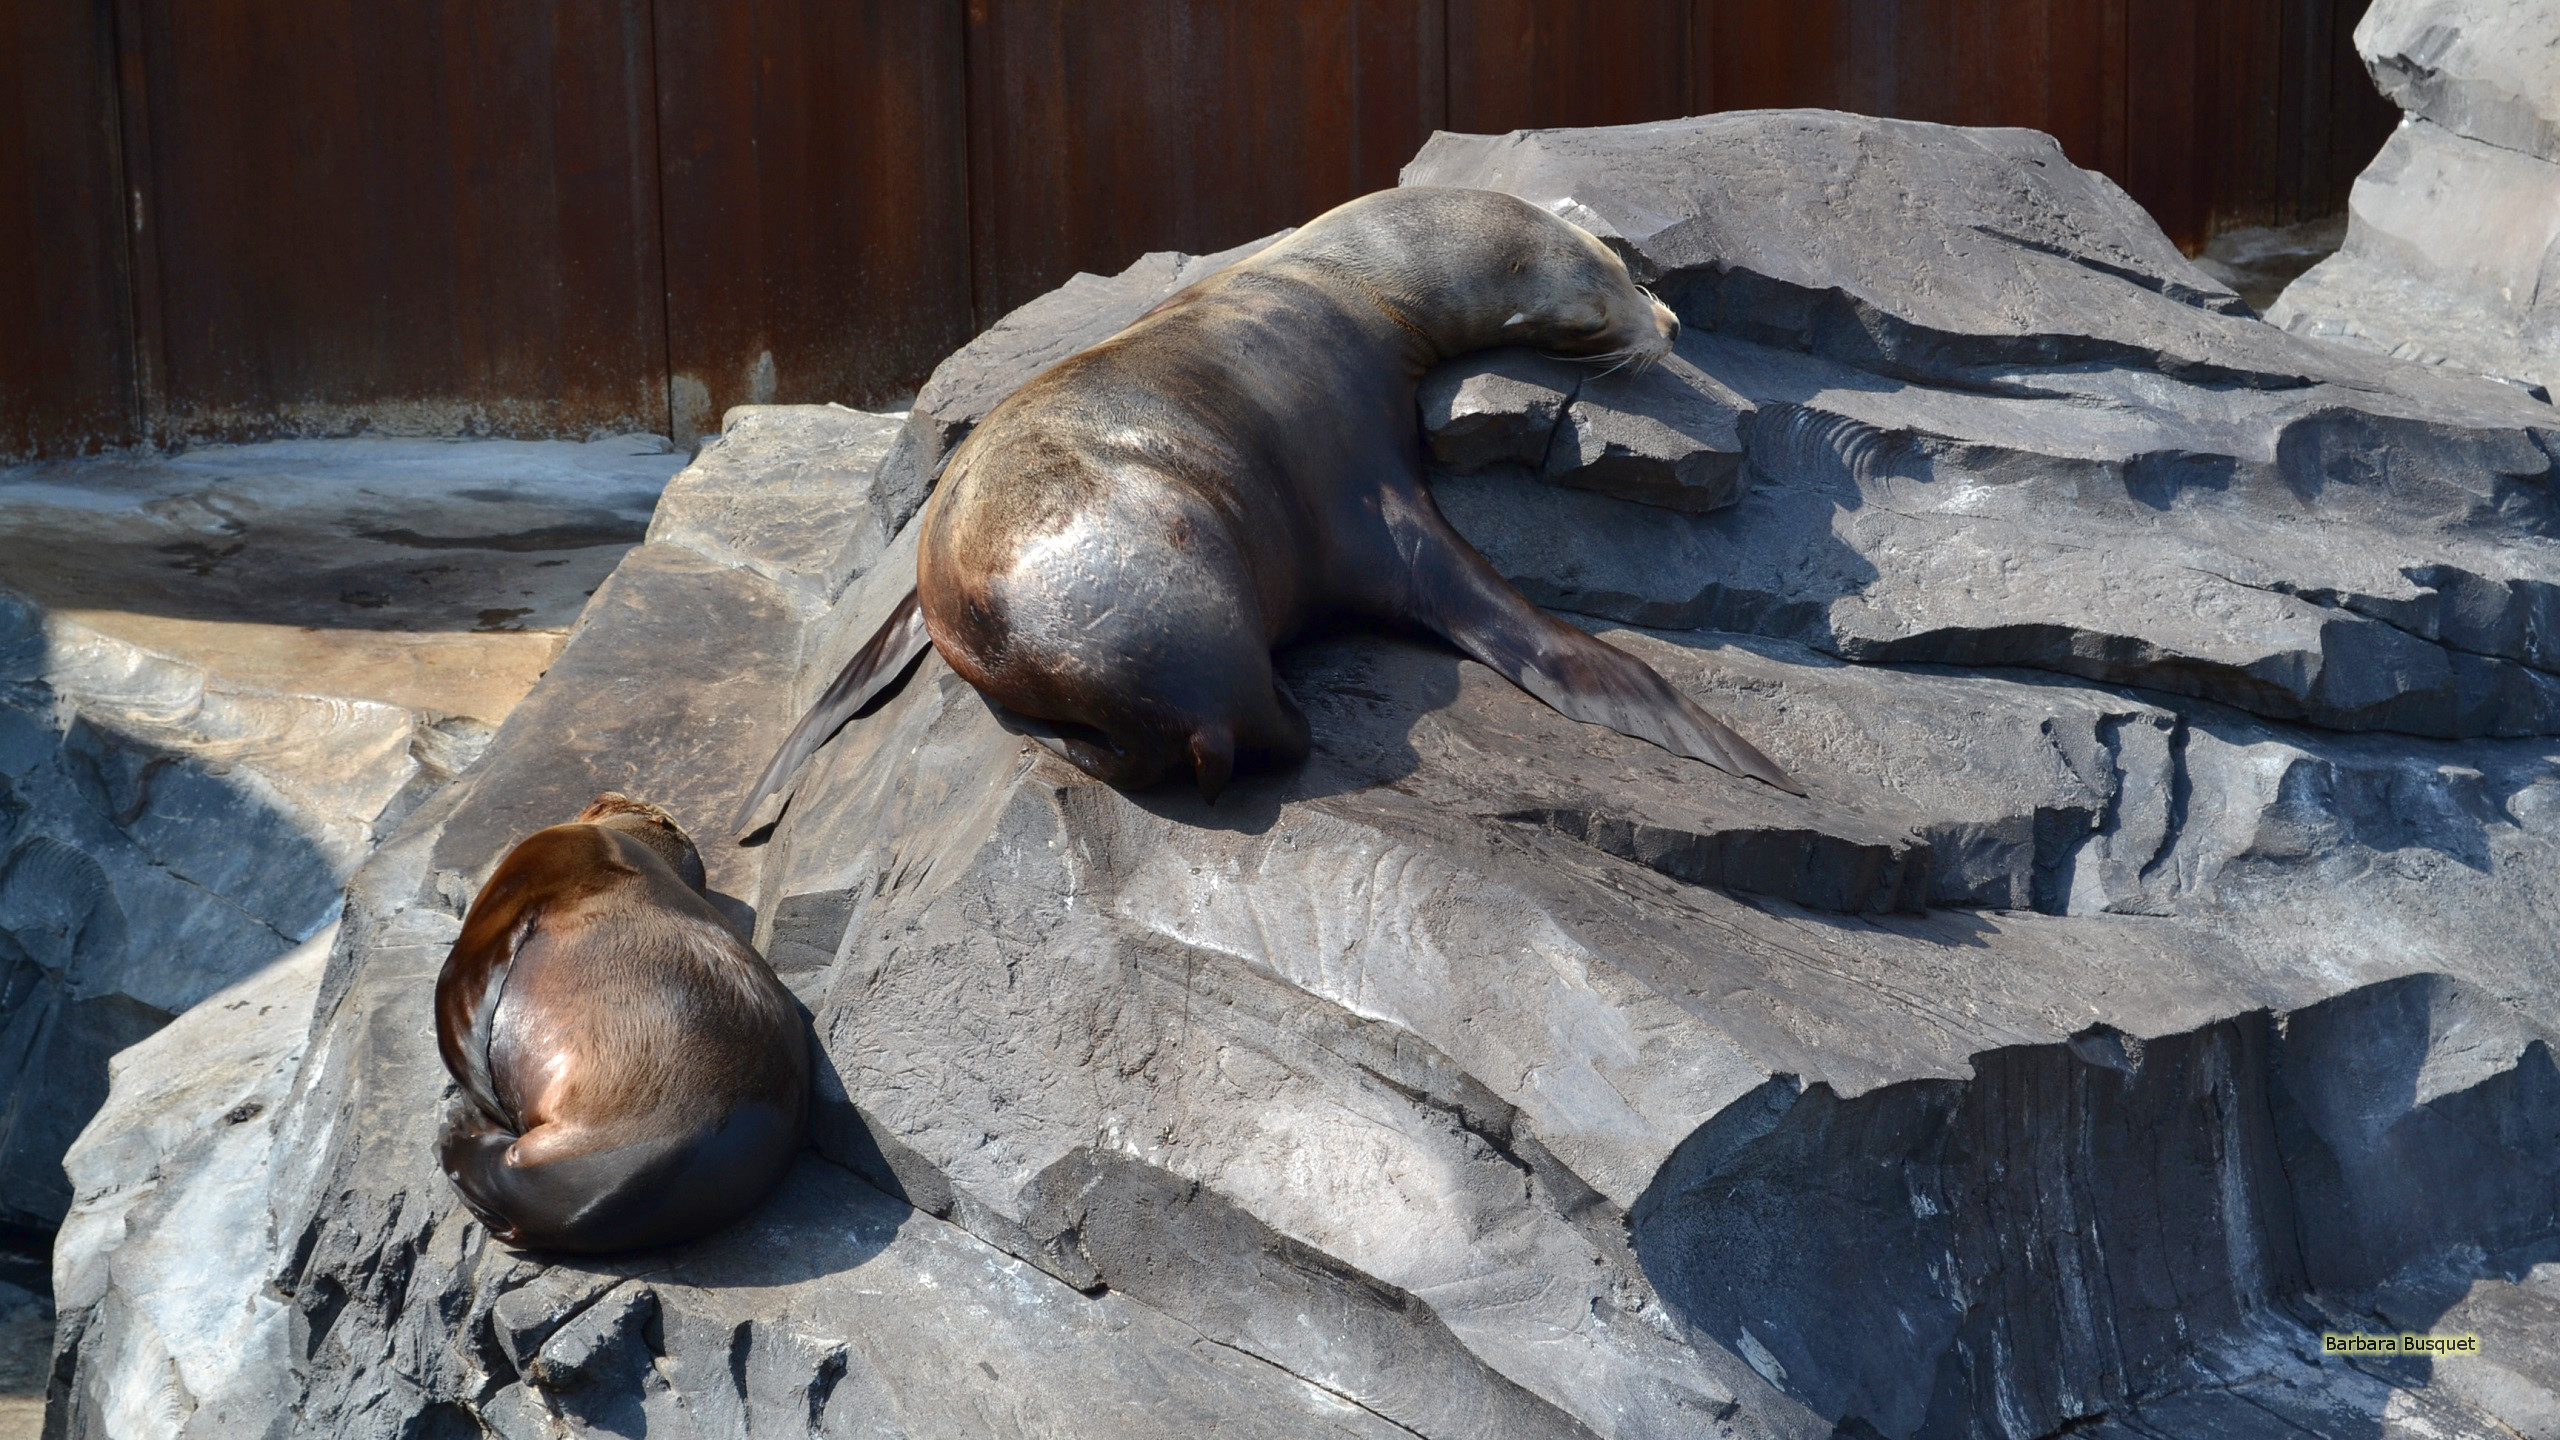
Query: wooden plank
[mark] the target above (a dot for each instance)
(2331, 117)
(400, 215)
(815, 174)
(1524, 64)
(397, 215)
(66, 369)
(1757, 55)
(2305, 121)
(2050, 65)
(2163, 134)
(2241, 89)
(1097, 133)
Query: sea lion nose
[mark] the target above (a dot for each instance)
(1665, 321)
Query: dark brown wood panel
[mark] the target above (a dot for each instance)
(1100, 132)
(816, 191)
(2201, 89)
(2332, 118)
(223, 218)
(397, 215)
(1524, 64)
(66, 366)
(1749, 55)
(2051, 65)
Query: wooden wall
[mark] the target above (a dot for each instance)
(229, 218)
(66, 308)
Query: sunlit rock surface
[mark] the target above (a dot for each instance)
(2453, 236)
(2158, 973)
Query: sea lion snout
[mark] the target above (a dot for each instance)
(652, 826)
(1664, 321)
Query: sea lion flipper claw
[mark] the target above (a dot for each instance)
(1470, 604)
(882, 658)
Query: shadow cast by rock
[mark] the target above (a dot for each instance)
(2086, 1225)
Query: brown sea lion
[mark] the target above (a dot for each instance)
(1117, 548)
(632, 1073)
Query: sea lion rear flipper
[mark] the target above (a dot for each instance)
(881, 660)
(473, 1152)
(1458, 594)
(468, 990)
(554, 1189)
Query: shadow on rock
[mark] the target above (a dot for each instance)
(588, 1340)
(133, 882)
(2092, 1227)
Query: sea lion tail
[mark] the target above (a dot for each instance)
(881, 660)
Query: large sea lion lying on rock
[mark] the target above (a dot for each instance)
(1116, 549)
(632, 1073)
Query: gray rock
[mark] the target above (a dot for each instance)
(2486, 69)
(1799, 228)
(2096, 1030)
(2005, 385)
(2452, 229)
(1670, 436)
(163, 833)
(786, 491)
(1898, 522)
(1499, 407)
(2448, 240)
(162, 1253)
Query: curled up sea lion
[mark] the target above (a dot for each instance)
(632, 1072)
(1116, 549)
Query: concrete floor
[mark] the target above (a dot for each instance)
(438, 575)
(441, 576)
(2259, 261)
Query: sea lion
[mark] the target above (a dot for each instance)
(632, 1073)
(1116, 549)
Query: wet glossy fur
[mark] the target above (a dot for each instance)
(1117, 548)
(633, 1074)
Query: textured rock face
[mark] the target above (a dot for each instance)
(2158, 972)
(1669, 436)
(162, 833)
(2485, 69)
(1966, 494)
(171, 1171)
(2454, 229)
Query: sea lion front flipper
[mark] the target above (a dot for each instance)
(881, 660)
(1455, 592)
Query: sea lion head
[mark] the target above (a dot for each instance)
(1471, 269)
(651, 826)
(1578, 299)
